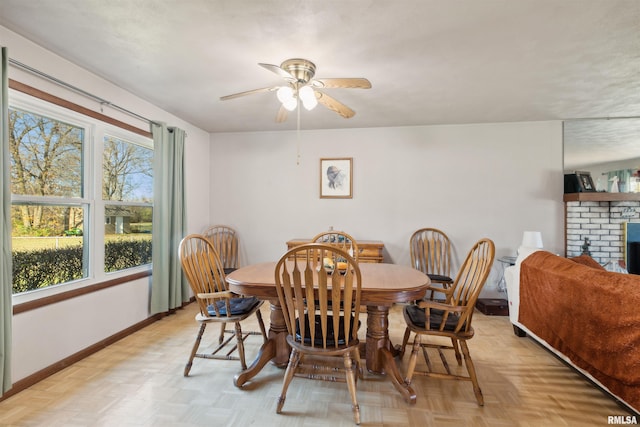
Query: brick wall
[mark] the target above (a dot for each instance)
(603, 224)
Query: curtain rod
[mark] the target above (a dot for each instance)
(59, 82)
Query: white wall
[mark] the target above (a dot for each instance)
(493, 180)
(44, 336)
(471, 181)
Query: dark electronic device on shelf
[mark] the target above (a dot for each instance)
(578, 182)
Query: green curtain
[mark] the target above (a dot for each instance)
(6, 306)
(169, 289)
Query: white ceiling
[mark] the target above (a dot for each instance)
(429, 61)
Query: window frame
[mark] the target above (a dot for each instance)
(95, 131)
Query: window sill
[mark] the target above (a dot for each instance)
(63, 296)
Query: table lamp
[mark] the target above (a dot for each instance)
(532, 239)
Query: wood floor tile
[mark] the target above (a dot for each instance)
(138, 381)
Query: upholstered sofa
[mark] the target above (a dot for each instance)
(587, 316)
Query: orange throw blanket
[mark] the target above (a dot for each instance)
(590, 315)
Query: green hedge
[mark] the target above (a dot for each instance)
(45, 267)
(126, 254)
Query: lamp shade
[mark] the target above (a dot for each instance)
(532, 239)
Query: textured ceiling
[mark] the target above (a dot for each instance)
(429, 61)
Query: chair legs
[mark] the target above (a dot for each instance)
(413, 359)
(351, 383)
(457, 346)
(405, 341)
(454, 344)
(294, 360)
(240, 346)
(194, 350)
(223, 340)
(261, 325)
(223, 326)
(472, 373)
(240, 338)
(359, 367)
(351, 377)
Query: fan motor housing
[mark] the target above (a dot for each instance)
(302, 69)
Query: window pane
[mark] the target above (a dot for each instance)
(46, 156)
(127, 236)
(48, 245)
(126, 171)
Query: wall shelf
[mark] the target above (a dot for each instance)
(601, 197)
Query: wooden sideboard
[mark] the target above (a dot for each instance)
(370, 250)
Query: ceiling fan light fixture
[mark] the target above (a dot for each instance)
(310, 105)
(308, 97)
(286, 97)
(285, 94)
(301, 88)
(290, 104)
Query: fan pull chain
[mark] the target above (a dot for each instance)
(298, 132)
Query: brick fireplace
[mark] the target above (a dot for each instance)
(601, 221)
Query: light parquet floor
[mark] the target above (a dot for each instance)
(138, 381)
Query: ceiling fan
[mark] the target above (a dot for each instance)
(301, 87)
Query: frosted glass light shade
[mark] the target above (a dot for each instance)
(308, 97)
(285, 94)
(532, 239)
(290, 104)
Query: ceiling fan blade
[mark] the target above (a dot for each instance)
(249, 92)
(348, 83)
(334, 105)
(282, 114)
(279, 71)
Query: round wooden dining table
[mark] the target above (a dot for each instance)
(382, 286)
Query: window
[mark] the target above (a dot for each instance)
(70, 173)
(127, 191)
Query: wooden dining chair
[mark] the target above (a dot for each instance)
(225, 241)
(430, 251)
(204, 272)
(339, 239)
(451, 319)
(311, 283)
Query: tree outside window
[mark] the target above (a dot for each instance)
(47, 188)
(52, 204)
(127, 190)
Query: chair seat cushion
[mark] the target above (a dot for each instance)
(238, 306)
(318, 332)
(440, 278)
(419, 318)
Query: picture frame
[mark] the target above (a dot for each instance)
(579, 182)
(336, 178)
(585, 182)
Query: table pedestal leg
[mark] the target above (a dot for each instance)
(380, 353)
(275, 349)
(377, 337)
(278, 333)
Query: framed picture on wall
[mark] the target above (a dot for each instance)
(336, 178)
